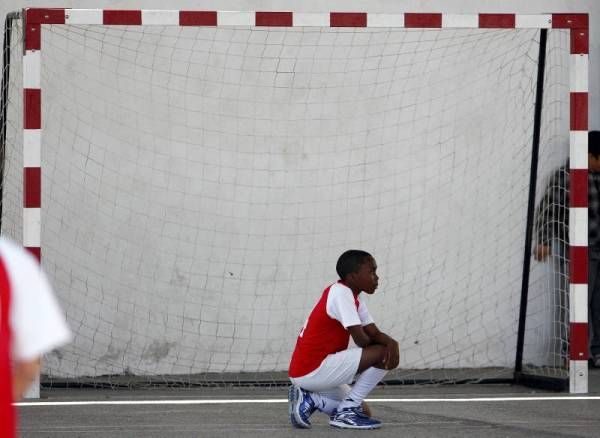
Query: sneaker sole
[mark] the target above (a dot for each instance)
(349, 426)
(296, 396)
(291, 401)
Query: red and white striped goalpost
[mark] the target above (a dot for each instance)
(35, 18)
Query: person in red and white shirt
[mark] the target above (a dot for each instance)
(31, 324)
(323, 365)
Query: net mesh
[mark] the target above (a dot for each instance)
(200, 183)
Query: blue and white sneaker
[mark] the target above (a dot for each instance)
(353, 418)
(301, 407)
(291, 401)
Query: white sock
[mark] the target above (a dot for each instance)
(323, 403)
(365, 383)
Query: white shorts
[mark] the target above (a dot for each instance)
(334, 374)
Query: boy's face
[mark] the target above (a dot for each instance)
(593, 163)
(366, 279)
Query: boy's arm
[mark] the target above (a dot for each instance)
(549, 212)
(24, 372)
(542, 225)
(360, 336)
(393, 349)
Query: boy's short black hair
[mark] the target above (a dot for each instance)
(594, 143)
(350, 261)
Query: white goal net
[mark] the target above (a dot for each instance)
(199, 185)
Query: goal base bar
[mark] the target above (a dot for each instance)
(542, 382)
(492, 375)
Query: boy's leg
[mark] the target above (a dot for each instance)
(365, 383)
(372, 368)
(313, 391)
(372, 372)
(330, 399)
(334, 397)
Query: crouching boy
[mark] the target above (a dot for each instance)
(322, 365)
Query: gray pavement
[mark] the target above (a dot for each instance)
(407, 418)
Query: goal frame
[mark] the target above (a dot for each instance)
(577, 24)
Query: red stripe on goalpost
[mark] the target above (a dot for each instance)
(578, 264)
(122, 17)
(33, 36)
(578, 182)
(579, 25)
(32, 187)
(32, 108)
(197, 18)
(422, 20)
(578, 345)
(579, 111)
(496, 21)
(35, 251)
(348, 19)
(580, 42)
(570, 21)
(45, 15)
(282, 19)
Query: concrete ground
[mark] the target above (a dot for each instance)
(407, 411)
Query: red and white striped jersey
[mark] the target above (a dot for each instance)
(31, 322)
(325, 331)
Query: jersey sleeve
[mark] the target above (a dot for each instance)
(38, 325)
(341, 306)
(363, 313)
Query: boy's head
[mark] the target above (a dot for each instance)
(358, 270)
(594, 150)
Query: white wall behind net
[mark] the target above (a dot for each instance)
(200, 183)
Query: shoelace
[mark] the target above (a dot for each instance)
(355, 413)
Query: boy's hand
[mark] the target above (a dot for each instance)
(392, 356)
(392, 349)
(24, 372)
(541, 252)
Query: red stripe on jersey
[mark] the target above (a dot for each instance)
(321, 336)
(7, 411)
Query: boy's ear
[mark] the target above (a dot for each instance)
(350, 276)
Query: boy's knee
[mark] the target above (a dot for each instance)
(380, 355)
